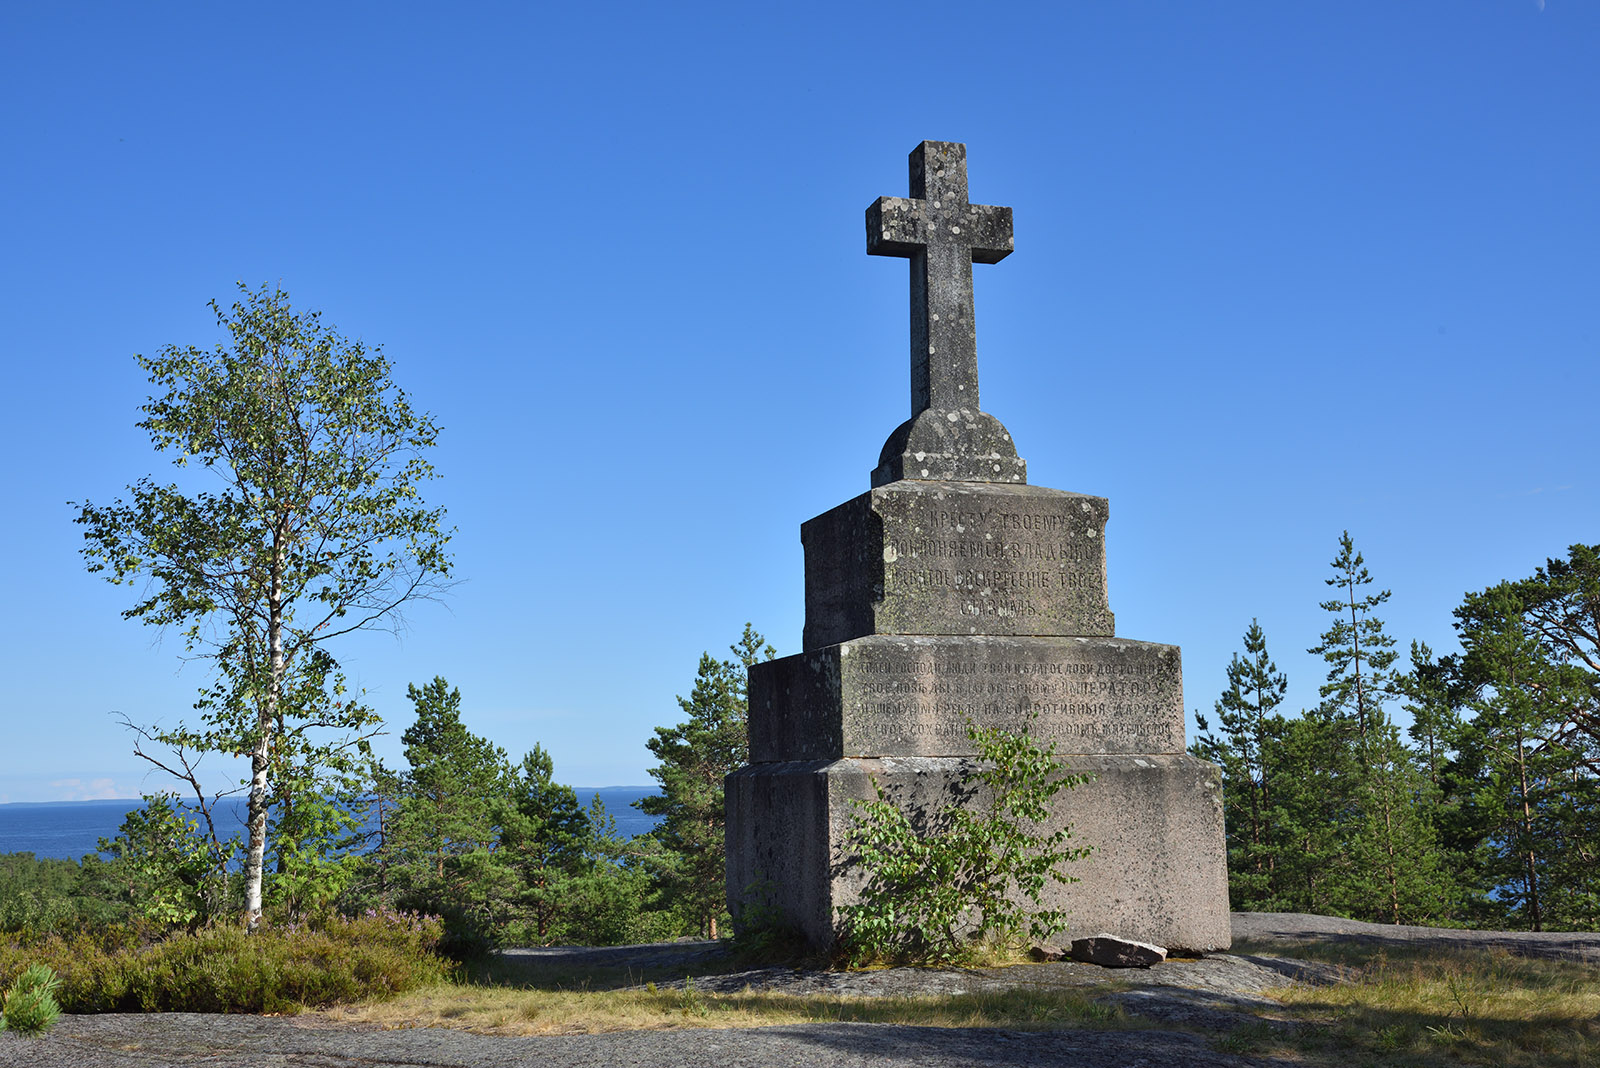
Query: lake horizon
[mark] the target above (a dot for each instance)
(70, 830)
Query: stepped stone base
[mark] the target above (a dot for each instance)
(1158, 872)
(913, 696)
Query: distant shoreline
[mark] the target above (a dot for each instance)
(71, 830)
(581, 791)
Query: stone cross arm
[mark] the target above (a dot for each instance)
(943, 236)
(900, 226)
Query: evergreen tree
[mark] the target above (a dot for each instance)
(441, 839)
(1434, 697)
(1358, 651)
(1306, 816)
(1250, 727)
(1388, 868)
(1536, 792)
(695, 756)
(547, 838)
(455, 782)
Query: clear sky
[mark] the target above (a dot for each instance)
(1281, 269)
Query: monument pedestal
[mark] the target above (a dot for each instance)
(952, 593)
(1154, 822)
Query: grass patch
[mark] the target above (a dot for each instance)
(498, 1010)
(1421, 1008)
(1411, 1008)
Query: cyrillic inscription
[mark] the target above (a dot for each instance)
(1119, 697)
(997, 561)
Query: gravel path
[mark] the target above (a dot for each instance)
(1210, 995)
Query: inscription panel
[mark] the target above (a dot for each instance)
(984, 562)
(952, 558)
(887, 696)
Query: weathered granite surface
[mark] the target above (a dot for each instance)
(919, 557)
(163, 1041)
(914, 696)
(1154, 822)
(1293, 927)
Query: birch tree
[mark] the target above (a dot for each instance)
(314, 527)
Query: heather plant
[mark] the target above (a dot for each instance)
(222, 969)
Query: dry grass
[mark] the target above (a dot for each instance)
(1425, 1008)
(1417, 1009)
(493, 1010)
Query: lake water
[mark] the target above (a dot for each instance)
(70, 829)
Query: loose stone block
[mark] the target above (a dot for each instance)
(1109, 951)
(919, 557)
(1156, 873)
(914, 696)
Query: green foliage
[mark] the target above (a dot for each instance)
(452, 787)
(1248, 753)
(695, 756)
(451, 801)
(222, 969)
(1490, 816)
(505, 854)
(170, 873)
(1386, 863)
(547, 838)
(317, 531)
(44, 894)
(1526, 774)
(1359, 653)
(935, 893)
(29, 1006)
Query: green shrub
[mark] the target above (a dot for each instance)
(223, 969)
(936, 894)
(43, 894)
(29, 1006)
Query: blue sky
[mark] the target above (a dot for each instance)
(1282, 270)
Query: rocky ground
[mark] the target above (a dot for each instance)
(1206, 996)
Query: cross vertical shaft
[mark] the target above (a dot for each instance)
(943, 235)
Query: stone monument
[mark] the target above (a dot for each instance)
(953, 590)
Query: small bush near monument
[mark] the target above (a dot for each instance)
(943, 893)
(29, 1006)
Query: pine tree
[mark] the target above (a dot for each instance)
(1358, 652)
(452, 786)
(1306, 815)
(1434, 697)
(1245, 712)
(1536, 794)
(695, 756)
(547, 838)
(441, 844)
(1389, 867)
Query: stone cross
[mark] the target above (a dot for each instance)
(943, 236)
